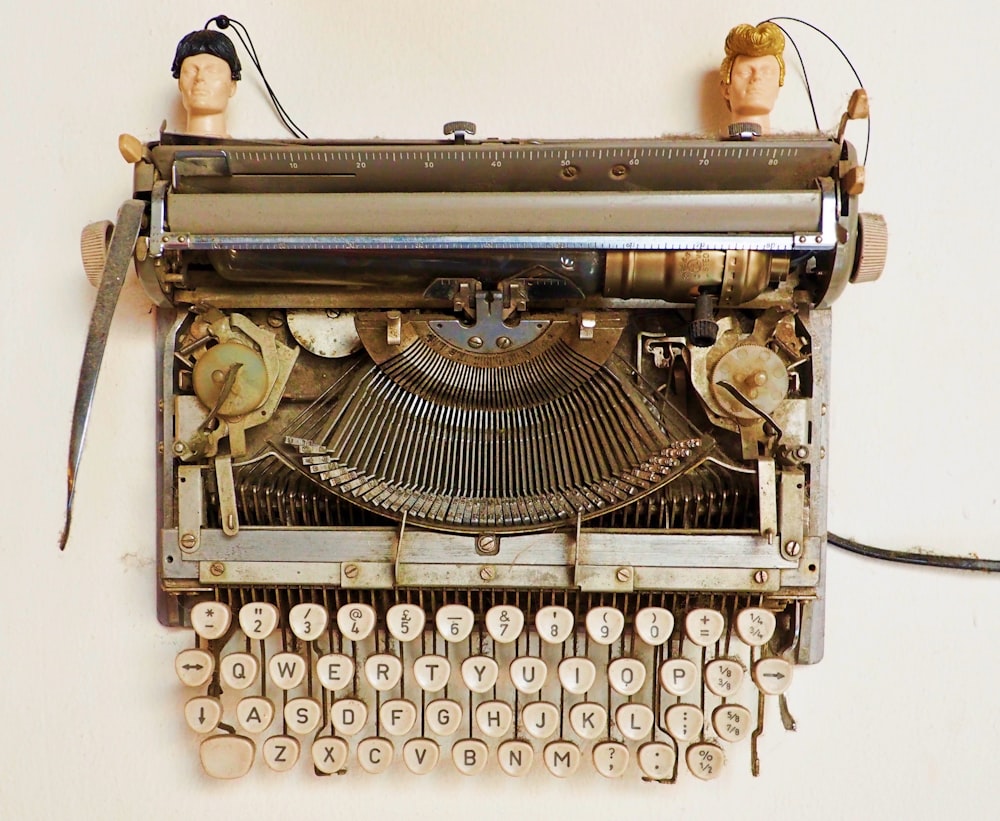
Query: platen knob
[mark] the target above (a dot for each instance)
(873, 242)
(94, 242)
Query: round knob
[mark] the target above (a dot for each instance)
(873, 241)
(702, 333)
(94, 242)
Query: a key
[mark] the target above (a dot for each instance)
(561, 758)
(705, 761)
(773, 675)
(280, 752)
(203, 713)
(515, 757)
(239, 670)
(335, 671)
(421, 755)
(704, 627)
(528, 674)
(634, 721)
(356, 621)
(405, 622)
(469, 755)
(397, 716)
(494, 718)
(589, 720)
(308, 621)
(755, 626)
(258, 620)
(678, 676)
(383, 671)
(194, 667)
(348, 716)
(375, 754)
(653, 625)
(540, 719)
(554, 624)
(577, 674)
(211, 619)
(610, 759)
(286, 670)
(504, 623)
(432, 673)
(480, 673)
(723, 676)
(303, 715)
(731, 722)
(455, 622)
(329, 754)
(685, 722)
(254, 713)
(443, 716)
(227, 756)
(656, 760)
(605, 624)
(626, 676)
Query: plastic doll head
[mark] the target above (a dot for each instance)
(206, 41)
(753, 69)
(206, 68)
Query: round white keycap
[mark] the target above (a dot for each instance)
(540, 719)
(528, 673)
(705, 761)
(723, 676)
(455, 622)
(772, 675)
(375, 755)
(194, 667)
(554, 624)
(397, 716)
(420, 755)
(634, 721)
(678, 676)
(239, 670)
(626, 676)
(443, 716)
(308, 621)
(383, 671)
(356, 621)
(258, 619)
(504, 623)
(755, 626)
(589, 720)
(610, 759)
(469, 755)
(348, 716)
(577, 674)
(210, 619)
(605, 624)
(704, 626)
(280, 752)
(286, 670)
(656, 760)
(515, 757)
(561, 758)
(654, 625)
(494, 718)
(432, 673)
(405, 621)
(685, 722)
(254, 713)
(329, 754)
(335, 671)
(480, 673)
(302, 715)
(203, 713)
(227, 756)
(731, 722)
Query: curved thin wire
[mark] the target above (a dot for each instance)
(915, 556)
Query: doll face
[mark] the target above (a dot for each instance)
(753, 86)
(206, 84)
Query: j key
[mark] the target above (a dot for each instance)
(210, 619)
(704, 627)
(280, 752)
(605, 624)
(504, 623)
(554, 624)
(540, 719)
(405, 621)
(455, 622)
(356, 621)
(308, 621)
(258, 620)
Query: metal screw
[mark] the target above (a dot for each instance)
(475, 342)
(503, 342)
(623, 574)
(569, 172)
(567, 263)
(487, 544)
(618, 171)
(332, 313)
(351, 571)
(760, 577)
(178, 447)
(793, 548)
(188, 541)
(487, 573)
(217, 568)
(274, 319)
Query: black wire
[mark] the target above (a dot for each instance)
(868, 121)
(915, 556)
(223, 22)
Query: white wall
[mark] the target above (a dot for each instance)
(899, 720)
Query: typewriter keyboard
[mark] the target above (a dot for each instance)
(618, 688)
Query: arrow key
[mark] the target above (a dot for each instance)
(772, 675)
(203, 713)
(194, 667)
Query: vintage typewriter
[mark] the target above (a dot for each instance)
(489, 454)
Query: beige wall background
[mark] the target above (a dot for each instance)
(899, 720)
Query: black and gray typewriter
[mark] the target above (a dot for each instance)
(485, 454)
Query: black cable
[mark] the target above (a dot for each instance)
(224, 22)
(915, 556)
(802, 65)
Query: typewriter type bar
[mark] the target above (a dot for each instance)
(494, 452)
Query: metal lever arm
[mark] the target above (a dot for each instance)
(123, 241)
